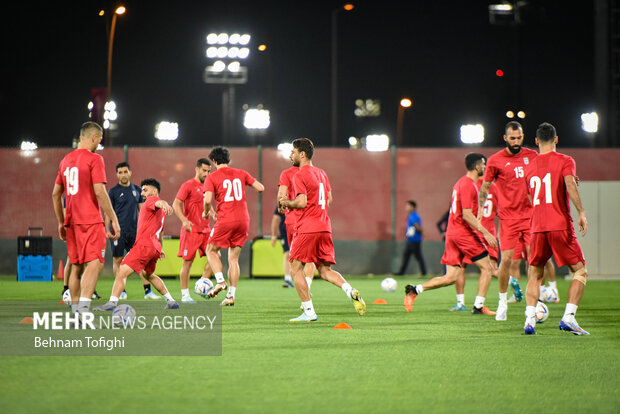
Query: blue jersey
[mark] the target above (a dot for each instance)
(412, 234)
(125, 202)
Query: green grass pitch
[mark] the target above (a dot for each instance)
(427, 361)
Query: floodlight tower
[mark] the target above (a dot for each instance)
(225, 53)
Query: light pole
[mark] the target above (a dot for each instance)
(119, 10)
(334, 74)
(404, 104)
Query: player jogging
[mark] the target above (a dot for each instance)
(550, 180)
(313, 242)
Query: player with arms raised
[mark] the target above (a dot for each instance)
(550, 179)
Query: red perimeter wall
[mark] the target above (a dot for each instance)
(361, 184)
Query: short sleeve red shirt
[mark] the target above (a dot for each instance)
(508, 171)
(191, 194)
(150, 224)
(546, 186)
(464, 196)
(228, 187)
(312, 182)
(286, 178)
(489, 210)
(77, 173)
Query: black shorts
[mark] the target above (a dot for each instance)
(122, 245)
(285, 245)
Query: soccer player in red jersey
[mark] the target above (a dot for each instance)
(462, 239)
(285, 189)
(227, 187)
(550, 180)
(81, 177)
(146, 250)
(188, 207)
(506, 168)
(313, 242)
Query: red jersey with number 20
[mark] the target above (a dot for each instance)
(150, 224)
(228, 187)
(286, 178)
(312, 182)
(464, 195)
(508, 171)
(545, 182)
(78, 171)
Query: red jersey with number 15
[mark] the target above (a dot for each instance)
(228, 187)
(286, 178)
(508, 171)
(312, 182)
(464, 196)
(78, 171)
(490, 209)
(545, 182)
(150, 224)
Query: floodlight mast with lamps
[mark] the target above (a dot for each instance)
(404, 104)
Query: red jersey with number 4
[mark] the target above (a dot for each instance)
(286, 178)
(464, 195)
(545, 182)
(78, 171)
(508, 171)
(490, 209)
(191, 194)
(228, 187)
(312, 182)
(150, 224)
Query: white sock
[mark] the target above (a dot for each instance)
(553, 285)
(288, 278)
(530, 315)
(479, 302)
(185, 292)
(231, 292)
(503, 299)
(84, 303)
(309, 281)
(308, 308)
(460, 299)
(169, 297)
(570, 311)
(114, 299)
(347, 288)
(419, 289)
(219, 277)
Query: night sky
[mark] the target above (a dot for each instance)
(442, 54)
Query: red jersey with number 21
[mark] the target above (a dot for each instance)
(312, 182)
(228, 187)
(545, 182)
(150, 224)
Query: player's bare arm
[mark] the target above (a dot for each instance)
(258, 186)
(482, 197)
(207, 204)
(163, 205)
(177, 205)
(301, 201)
(474, 223)
(282, 192)
(106, 223)
(106, 205)
(275, 233)
(60, 215)
(575, 198)
(330, 199)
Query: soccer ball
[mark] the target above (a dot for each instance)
(203, 286)
(123, 314)
(388, 284)
(542, 313)
(548, 295)
(66, 297)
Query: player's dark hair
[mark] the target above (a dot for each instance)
(89, 126)
(514, 125)
(472, 159)
(220, 155)
(152, 182)
(122, 164)
(546, 132)
(304, 145)
(202, 161)
(412, 203)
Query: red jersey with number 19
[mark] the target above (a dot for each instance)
(228, 187)
(286, 178)
(150, 224)
(464, 196)
(78, 171)
(545, 182)
(312, 182)
(508, 171)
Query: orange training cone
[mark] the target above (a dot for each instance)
(27, 319)
(61, 270)
(380, 302)
(342, 325)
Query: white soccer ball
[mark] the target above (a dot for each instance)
(542, 312)
(389, 284)
(203, 286)
(548, 295)
(123, 314)
(66, 297)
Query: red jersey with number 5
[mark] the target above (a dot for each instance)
(228, 187)
(78, 171)
(546, 186)
(312, 182)
(150, 224)
(490, 209)
(508, 171)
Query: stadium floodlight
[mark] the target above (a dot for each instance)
(244, 52)
(377, 142)
(500, 7)
(285, 149)
(222, 38)
(222, 52)
(99, 147)
(233, 66)
(234, 38)
(212, 52)
(91, 105)
(589, 122)
(106, 123)
(521, 114)
(167, 131)
(352, 141)
(212, 39)
(233, 52)
(244, 39)
(472, 134)
(510, 114)
(256, 119)
(218, 66)
(28, 146)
